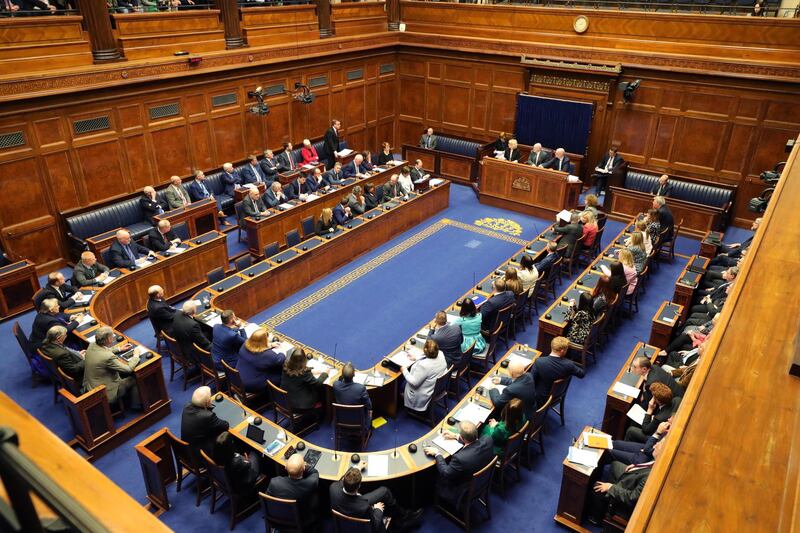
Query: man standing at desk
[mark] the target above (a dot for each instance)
(330, 143)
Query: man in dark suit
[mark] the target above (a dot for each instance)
(357, 167)
(68, 360)
(346, 499)
(159, 311)
(275, 195)
(342, 212)
(664, 216)
(316, 182)
(50, 315)
(417, 172)
(161, 238)
(653, 374)
(299, 189)
(286, 159)
(188, 331)
(448, 337)
(231, 179)
(518, 385)
(58, 288)
(454, 477)
(548, 260)
(269, 166)
(559, 162)
(300, 484)
(226, 339)
(499, 299)
(200, 427)
(729, 254)
(330, 143)
(251, 173)
(663, 188)
(392, 190)
(538, 156)
(123, 252)
(88, 271)
(570, 233)
(428, 140)
(547, 370)
(334, 176)
(253, 205)
(199, 191)
(348, 392)
(630, 452)
(610, 162)
(150, 205)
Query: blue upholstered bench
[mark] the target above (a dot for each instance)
(457, 146)
(697, 193)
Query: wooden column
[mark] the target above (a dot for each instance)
(324, 18)
(230, 18)
(97, 22)
(393, 14)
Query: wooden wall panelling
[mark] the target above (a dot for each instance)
(358, 18)
(278, 24)
(147, 35)
(30, 44)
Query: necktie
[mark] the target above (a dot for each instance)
(608, 165)
(180, 194)
(258, 174)
(559, 163)
(203, 188)
(536, 161)
(129, 252)
(291, 161)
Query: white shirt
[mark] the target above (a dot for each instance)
(406, 183)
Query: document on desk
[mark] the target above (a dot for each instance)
(636, 413)
(319, 364)
(625, 390)
(214, 319)
(284, 348)
(250, 328)
(436, 181)
(368, 379)
(85, 320)
(519, 359)
(109, 279)
(573, 179)
(311, 197)
(377, 465)
(601, 441)
(401, 358)
(564, 215)
(307, 166)
(583, 457)
(451, 446)
(345, 152)
(488, 385)
(176, 249)
(286, 206)
(473, 412)
(90, 340)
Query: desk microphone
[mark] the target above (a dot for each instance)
(335, 345)
(473, 282)
(394, 453)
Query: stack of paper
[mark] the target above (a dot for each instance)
(583, 457)
(600, 441)
(286, 206)
(307, 166)
(109, 279)
(636, 413)
(473, 412)
(625, 390)
(319, 364)
(214, 319)
(401, 359)
(519, 359)
(564, 215)
(85, 320)
(250, 328)
(368, 379)
(311, 197)
(436, 181)
(345, 152)
(284, 348)
(451, 446)
(377, 465)
(488, 385)
(174, 249)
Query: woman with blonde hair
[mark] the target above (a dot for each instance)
(589, 228)
(591, 205)
(626, 258)
(641, 226)
(636, 248)
(513, 282)
(309, 153)
(326, 222)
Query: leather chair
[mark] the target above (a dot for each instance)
(280, 515)
(39, 371)
(705, 194)
(308, 227)
(221, 486)
(461, 372)
(271, 249)
(479, 490)
(179, 359)
(216, 185)
(558, 393)
(284, 411)
(512, 453)
(350, 524)
(208, 371)
(246, 261)
(186, 462)
(536, 432)
(292, 238)
(350, 422)
(215, 276)
(257, 401)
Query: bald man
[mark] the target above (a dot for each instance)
(176, 194)
(301, 485)
(187, 330)
(150, 204)
(518, 384)
(88, 271)
(124, 252)
(538, 157)
(199, 425)
(559, 162)
(663, 187)
(161, 238)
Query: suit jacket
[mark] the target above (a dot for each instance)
(511, 155)
(332, 177)
(256, 368)
(295, 189)
(340, 216)
(571, 233)
(629, 486)
(554, 163)
(43, 322)
(83, 276)
(660, 414)
(351, 393)
(303, 490)
(309, 155)
(231, 181)
(492, 306)
(370, 201)
(150, 208)
(330, 143)
(617, 162)
(274, 201)
(659, 375)
(356, 207)
(392, 190)
(173, 196)
(287, 161)
(120, 259)
(251, 208)
(417, 174)
(658, 190)
(539, 159)
(454, 477)
(198, 191)
(187, 331)
(160, 242)
(547, 369)
(350, 170)
(667, 221)
(252, 174)
(64, 297)
(355, 505)
(270, 168)
(161, 315)
(428, 141)
(200, 427)
(449, 338)
(543, 265)
(303, 390)
(66, 359)
(226, 343)
(103, 367)
(421, 379)
(521, 388)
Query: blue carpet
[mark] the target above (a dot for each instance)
(536, 495)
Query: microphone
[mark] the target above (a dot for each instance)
(473, 282)
(335, 345)
(394, 454)
(333, 447)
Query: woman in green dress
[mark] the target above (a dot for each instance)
(513, 418)
(470, 322)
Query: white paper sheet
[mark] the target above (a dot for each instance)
(214, 320)
(636, 413)
(401, 358)
(518, 358)
(488, 385)
(250, 328)
(377, 465)
(583, 457)
(311, 197)
(284, 348)
(436, 181)
(109, 279)
(85, 320)
(473, 412)
(176, 250)
(564, 215)
(286, 206)
(345, 152)
(451, 446)
(625, 390)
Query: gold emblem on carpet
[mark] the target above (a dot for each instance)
(503, 225)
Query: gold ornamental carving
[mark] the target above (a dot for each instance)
(521, 184)
(569, 81)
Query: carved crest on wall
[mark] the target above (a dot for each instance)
(570, 81)
(521, 184)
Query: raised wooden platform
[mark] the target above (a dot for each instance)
(30, 44)
(358, 18)
(145, 35)
(279, 24)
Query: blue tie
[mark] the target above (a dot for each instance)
(203, 187)
(130, 253)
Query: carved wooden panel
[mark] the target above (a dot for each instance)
(101, 170)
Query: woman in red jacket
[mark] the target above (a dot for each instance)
(589, 228)
(309, 153)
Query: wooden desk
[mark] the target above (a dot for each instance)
(615, 416)
(104, 500)
(553, 322)
(273, 228)
(124, 300)
(200, 217)
(710, 244)
(18, 284)
(457, 168)
(686, 286)
(576, 484)
(664, 322)
(535, 191)
(290, 175)
(239, 193)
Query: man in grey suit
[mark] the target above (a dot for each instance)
(356, 201)
(538, 157)
(102, 366)
(176, 194)
(448, 337)
(88, 271)
(428, 139)
(253, 205)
